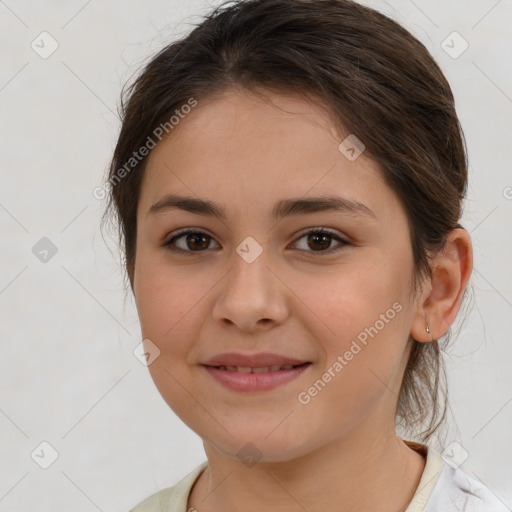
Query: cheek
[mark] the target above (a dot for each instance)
(170, 314)
(172, 305)
(349, 299)
(364, 321)
(167, 311)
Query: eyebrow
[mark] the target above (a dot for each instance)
(283, 208)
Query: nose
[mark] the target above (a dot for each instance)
(252, 296)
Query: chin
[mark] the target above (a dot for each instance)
(258, 446)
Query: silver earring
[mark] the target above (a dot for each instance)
(427, 329)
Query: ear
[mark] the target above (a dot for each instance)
(441, 295)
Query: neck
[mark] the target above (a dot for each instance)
(379, 474)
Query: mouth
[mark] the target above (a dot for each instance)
(255, 379)
(262, 369)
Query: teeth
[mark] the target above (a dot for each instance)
(264, 369)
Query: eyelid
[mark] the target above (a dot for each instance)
(334, 234)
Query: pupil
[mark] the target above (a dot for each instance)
(194, 238)
(316, 236)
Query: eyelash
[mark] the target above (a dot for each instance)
(315, 231)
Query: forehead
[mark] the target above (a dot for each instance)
(242, 148)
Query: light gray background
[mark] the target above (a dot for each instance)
(68, 375)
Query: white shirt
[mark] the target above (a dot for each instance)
(442, 488)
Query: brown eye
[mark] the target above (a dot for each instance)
(319, 240)
(197, 241)
(190, 241)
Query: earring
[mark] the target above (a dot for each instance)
(427, 330)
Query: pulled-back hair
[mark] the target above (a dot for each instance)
(377, 81)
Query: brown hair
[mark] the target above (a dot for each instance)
(379, 83)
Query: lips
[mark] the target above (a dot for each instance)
(255, 372)
(262, 369)
(262, 362)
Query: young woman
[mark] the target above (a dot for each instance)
(288, 183)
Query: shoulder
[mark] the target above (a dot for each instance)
(171, 499)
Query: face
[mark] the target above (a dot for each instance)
(326, 286)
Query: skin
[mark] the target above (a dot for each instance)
(340, 451)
